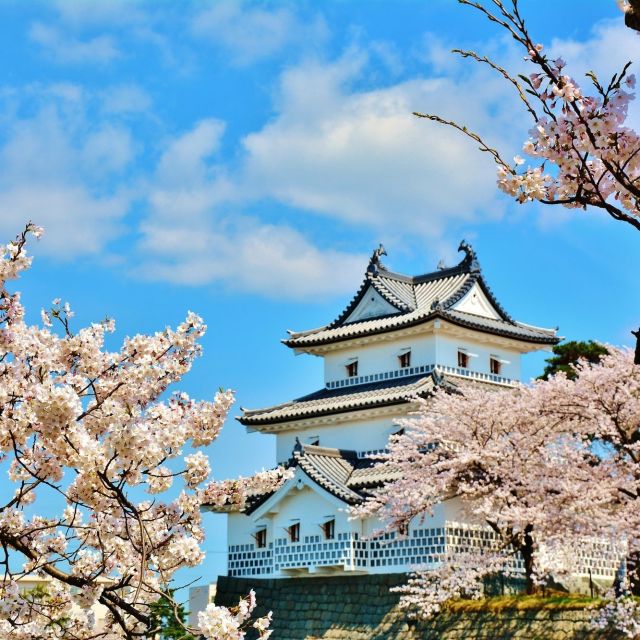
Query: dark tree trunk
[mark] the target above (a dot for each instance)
(633, 560)
(527, 549)
(636, 334)
(632, 18)
(632, 570)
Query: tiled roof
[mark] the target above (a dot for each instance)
(419, 299)
(329, 468)
(328, 401)
(338, 471)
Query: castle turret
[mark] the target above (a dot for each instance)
(399, 338)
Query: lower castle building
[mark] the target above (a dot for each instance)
(399, 338)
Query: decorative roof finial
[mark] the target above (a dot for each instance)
(374, 262)
(442, 265)
(470, 260)
(298, 448)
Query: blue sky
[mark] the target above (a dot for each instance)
(242, 160)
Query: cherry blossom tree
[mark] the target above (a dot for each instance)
(85, 432)
(603, 405)
(509, 468)
(582, 153)
(547, 467)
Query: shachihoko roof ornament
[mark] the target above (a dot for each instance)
(412, 300)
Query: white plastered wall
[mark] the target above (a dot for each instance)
(379, 357)
(304, 505)
(425, 350)
(477, 303)
(448, 346)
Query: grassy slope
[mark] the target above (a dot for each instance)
(559, 601)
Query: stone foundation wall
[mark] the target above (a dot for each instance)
(362, 608)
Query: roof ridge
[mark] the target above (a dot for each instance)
(388, 295)
(376, 271)
(321, 477)
(461, 292)
(494, 301)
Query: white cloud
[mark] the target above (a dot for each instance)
(248, 255)
(249, 34)
(107, 150)
(56, 172)
(185, 158)
(362, 157)
(125, 99)
(77, 222)
(188, 238)
(64, 48)
(610, 46)
(358, 156)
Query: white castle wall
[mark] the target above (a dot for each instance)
(379, 357)
(447, 354)
(355, 549)
(439, 349)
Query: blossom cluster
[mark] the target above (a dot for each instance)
(233, 495)
(587, 155)
(87, 427)
(584, 153)
(219, 622)
(585, 139)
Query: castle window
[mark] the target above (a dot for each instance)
(329, 529)
(352, 369)
(405, 359)
(260, 536)
(495, 366)
(463, 359)
(293, 532)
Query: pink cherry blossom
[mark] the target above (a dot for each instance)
(87, 428)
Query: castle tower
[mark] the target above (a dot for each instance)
(399, 338)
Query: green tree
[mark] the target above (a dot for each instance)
(566, 356)
(169, 619)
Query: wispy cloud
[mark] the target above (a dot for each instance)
(64, 48)
(360, 156)
(126, 99)
(195, 233)
(247, 255)
(62, 174)
(251, 33)
(337, 146)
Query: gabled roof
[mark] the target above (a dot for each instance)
(419, 299)
(340, 472)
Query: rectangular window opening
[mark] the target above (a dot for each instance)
(405, 360)
(463, 359)
(352, 369)
(260, 536)
(293, 532)
(329, 529)
(495, 366)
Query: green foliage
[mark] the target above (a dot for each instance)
(567, 354)
(163, 616)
